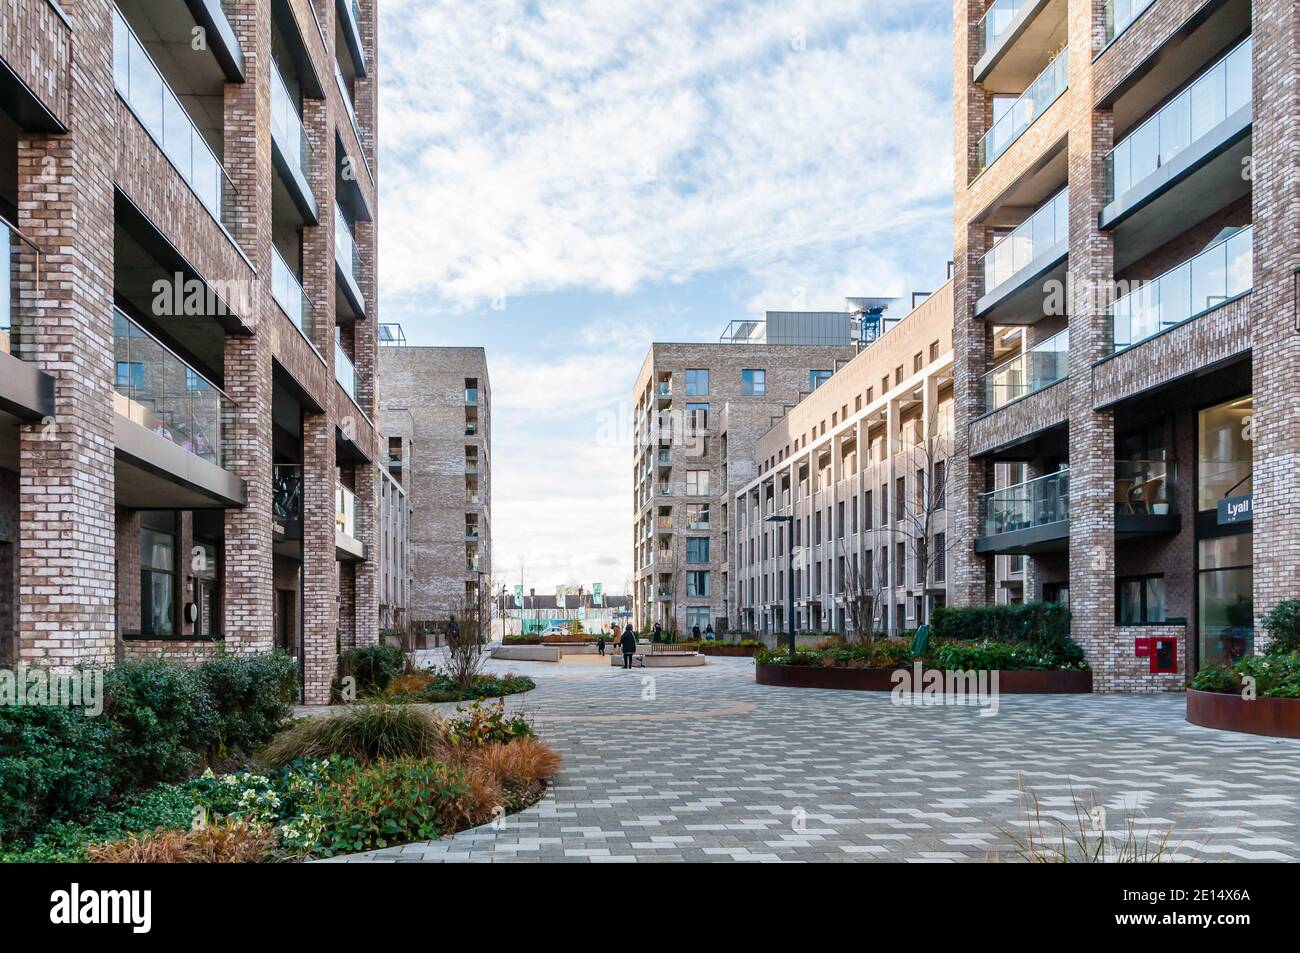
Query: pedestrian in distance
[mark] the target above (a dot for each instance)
(600, 644)
(628, 644)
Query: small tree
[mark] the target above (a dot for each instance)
(860, 596)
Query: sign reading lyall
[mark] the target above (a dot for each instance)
(1236, 509)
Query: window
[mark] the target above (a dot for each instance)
(866, 510)
(697, 583)
(918, 362)
(697, 417)
(1225, 590)
(206, 596)
(940, 501)
(884, 503)
(753, 383)
(697, 617)
(817, 379)
(1224, 452)
(697, 482)
(900, 563)
(839, 518)
(697, 549)
(900, 497)
(697, 382)
(1140, 600)
(934, 351)
(697, 515)
(940, 557)
(158, 573)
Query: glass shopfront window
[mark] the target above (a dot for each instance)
(1227, 607)
(158, 573)
(1224, 454)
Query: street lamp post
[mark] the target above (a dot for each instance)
(789, 592)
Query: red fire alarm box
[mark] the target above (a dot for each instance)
(1142, 646)
(1164, 655)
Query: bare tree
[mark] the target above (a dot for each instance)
(472, 613)
(861, 595)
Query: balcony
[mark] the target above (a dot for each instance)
(664, 391)
(286, 500)
(288, 294)
(1011, 39)
(664, 458)
(349, 21)
(1215, 276)
(1146, 497)
(346, 95)
(1119, 14)
(1019, 262)
(665, 489)
(1184, 162)
(1028, 517)
(160, 392)
(1033, 102)
(347, 266)
(291, 149)
(346, 544)
(151, 100)
(344, 372)
(1041, 366)
(26, 392)
(174, 434)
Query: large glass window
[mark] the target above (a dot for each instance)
(817, 379)
(1224, 452)
(697, 617)
(158, 574)
(203, 567)
(697, 549)
(753, 383)
(1226, 598)
(697, 417)
(697, 515)
(697, 482)
(697, 583)
(697, 382)
(1140, 600)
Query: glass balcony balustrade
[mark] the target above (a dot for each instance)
(1033, 503)
(160, 392)
(1216, 94)
(1045, 229)
(287, 127)
(140, 83)
(995, 22)
(1031, 104)
(344, 372)
(288, 294)
(1041, 366)
(345, 511)
(1221, 272)
(1145, 487)
(1118, 14)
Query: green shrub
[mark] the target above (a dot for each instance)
(1283, 627)
(167, 806)
(162, 721)
(251, 697)
(391, 802)
(54, 763)
(366, 732)
(991, 656)
(444, 688)
(1045, 625)
(475, 726)
(1276, 676)
(373, 666)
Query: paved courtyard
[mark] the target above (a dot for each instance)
(702, 764)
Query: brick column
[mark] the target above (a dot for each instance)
(1275, 310)
(366, 575)
(66, 522)
(1092, 435)
(320, 567)
(967, 572)
(248, 586)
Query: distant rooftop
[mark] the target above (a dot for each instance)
(864, 320)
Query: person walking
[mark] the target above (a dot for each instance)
(628, 645)
(695, 632)
(600, 644)
(708, 633)
(453, 632)
(656, 635)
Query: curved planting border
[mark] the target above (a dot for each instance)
(1010, 681)
(1276, 717)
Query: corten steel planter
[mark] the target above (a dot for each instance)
(730, 651)
(1010, 681)
(1276, 717)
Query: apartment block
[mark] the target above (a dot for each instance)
(846, 516)
(395, 514)
(437, 404)
(1126, 341)
(187, 390)
(537, 613)
(698, 409)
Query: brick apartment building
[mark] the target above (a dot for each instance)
(188, 393)
(1127, 348)
(698, 409)
(437, 404)
(855, 474)
(395, 515)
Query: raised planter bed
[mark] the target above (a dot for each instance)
(730, 651)
(1010, 682)
(1276, 717)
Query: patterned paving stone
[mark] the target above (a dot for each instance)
(704, 765)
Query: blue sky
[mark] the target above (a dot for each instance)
(564, 182)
